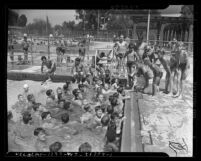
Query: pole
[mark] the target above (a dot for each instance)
(98, 24)
(31, 52)
(95, 62)
(84, 22)
(48, 48)
(148, 24)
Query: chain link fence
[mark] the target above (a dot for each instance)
(46, 46)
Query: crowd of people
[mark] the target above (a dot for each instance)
(97, 101)
(97, 92)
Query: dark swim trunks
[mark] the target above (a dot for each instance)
(130, 63)
(182, 66)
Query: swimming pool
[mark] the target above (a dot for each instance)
(69, 145)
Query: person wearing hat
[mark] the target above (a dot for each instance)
(78, 70)
(25, 47)
(25, 91)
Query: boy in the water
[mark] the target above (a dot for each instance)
(56, 147)
(51, 102)
(87, 116)
(31, 102)
(19, 107)
(48, 122)
(24, 133)
(26, 91)
(85, 147)
(41, 143)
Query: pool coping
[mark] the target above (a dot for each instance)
(131, 136)
(36, 76)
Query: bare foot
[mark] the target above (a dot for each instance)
(175, 96)
(180, 97)
(170, 95)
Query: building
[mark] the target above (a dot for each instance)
(162, 28)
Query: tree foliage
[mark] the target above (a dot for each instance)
(39, 26)
(22, 20)
(187, 11)
(12, 18)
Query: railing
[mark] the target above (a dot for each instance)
(36, 50)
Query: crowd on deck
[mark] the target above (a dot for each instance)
(97, 92)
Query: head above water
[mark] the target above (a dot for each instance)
(20, 97)
(31, 98)
(105, 120)
(46, 116)
(40, 133)
(9, 115)
(59, 90)
(98, 111)
(26, 87)
(55, 147)
(65, 118)
(87, 107)
(85, 147)
(26, 117)
(50, 93)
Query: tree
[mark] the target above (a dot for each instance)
(58, 29)
(12, 18)
(39, 27)
(187, 11)
(22, 20)
(90, 17)
(68, 27)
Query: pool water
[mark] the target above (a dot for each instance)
(95, 138)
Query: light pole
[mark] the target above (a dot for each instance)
(84, 13)
(148, 24)
(98, 24)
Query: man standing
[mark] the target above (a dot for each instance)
(121, 51)
(11, 49)
(25, 47)
(49, 70)
(82, 51)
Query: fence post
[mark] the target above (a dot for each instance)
(48, 48)
(31, 52)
